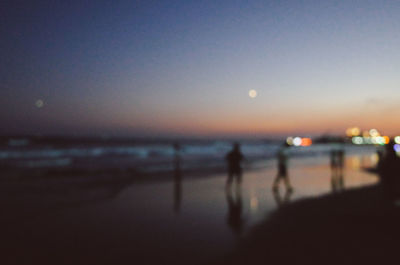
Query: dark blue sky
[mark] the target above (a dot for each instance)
(185, 67)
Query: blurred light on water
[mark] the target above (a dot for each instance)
(254, 203)
(374, 158)
(355, 162)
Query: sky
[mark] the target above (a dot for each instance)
(185, 68)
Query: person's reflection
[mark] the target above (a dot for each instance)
(234, 219)
(337, 182)
(337, 165)
(177, 192)
(280, 201)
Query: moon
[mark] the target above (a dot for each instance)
(252, 93)
(39, 103)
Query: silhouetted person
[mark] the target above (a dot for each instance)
(234, 159)
(380, 152)
(389, 170)
(234, 218)
(177, 178)
(282, 168)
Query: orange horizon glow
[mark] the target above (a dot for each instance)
(258, 124)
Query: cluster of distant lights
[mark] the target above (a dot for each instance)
(371, 137)
(381, 140)
(299, 141)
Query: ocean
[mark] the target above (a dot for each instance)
(146, 156)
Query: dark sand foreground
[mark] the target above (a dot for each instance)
(353, 227)
(116, 218)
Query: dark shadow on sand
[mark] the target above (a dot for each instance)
(353, 227)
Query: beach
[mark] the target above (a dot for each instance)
(183, 219)
(199, 132)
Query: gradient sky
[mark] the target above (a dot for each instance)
(185, 67)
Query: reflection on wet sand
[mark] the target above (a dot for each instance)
(337, 158)
(337, 181)
(56, 197)
(235, 210)
(177, 191)
(282, 200)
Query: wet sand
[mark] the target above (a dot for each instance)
(186, 220)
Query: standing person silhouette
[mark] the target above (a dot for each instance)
(340, 160)
(234, 158)
(388, 169)
(282, 169)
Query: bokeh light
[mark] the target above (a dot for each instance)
(374, 133)
(357, 140)
(306, 141)
(353, 131)
(386, 139)
(365, 133)
(396, 148)
(297, 141)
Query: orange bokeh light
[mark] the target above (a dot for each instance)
(306, 142)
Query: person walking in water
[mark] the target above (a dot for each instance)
(234, 158)
(282, 169)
